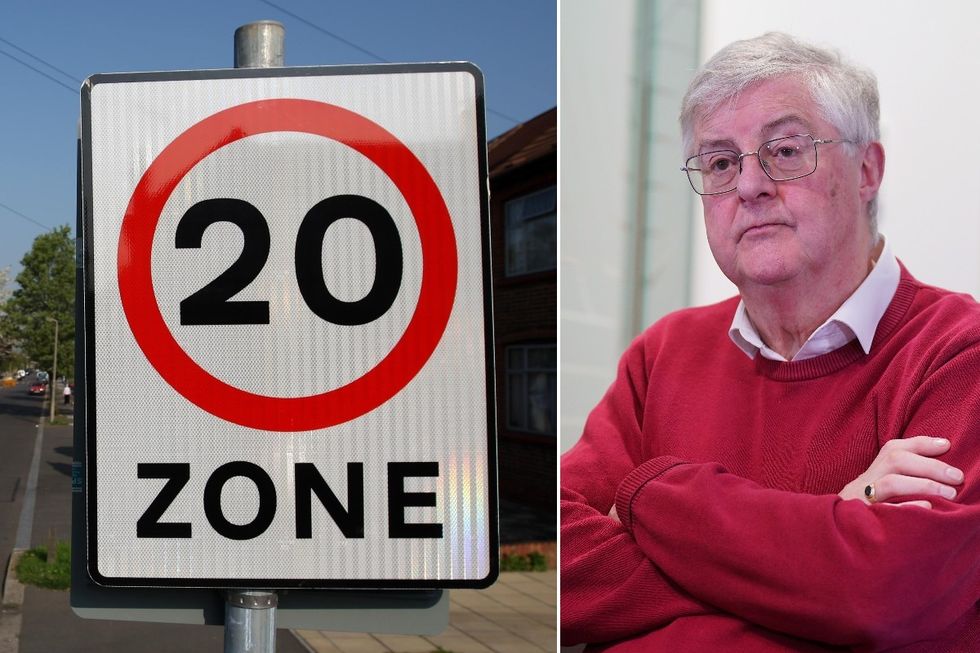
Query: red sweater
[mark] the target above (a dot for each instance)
(725, 473)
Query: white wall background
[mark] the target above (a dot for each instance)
(926, 56)
(594, 120)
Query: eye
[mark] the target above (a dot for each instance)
(787, 148)
(784, 151)
(718, 162)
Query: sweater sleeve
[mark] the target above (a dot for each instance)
(819, 567)
(609, 589)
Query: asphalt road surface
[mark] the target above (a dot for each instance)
(19, 415)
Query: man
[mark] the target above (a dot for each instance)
(797, 468)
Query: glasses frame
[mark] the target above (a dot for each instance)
(816, 141)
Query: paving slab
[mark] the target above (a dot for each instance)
(515, 615)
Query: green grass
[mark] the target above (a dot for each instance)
(533, 561)
(33, 567)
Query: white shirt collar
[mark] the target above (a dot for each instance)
(857, 317)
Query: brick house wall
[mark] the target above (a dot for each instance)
(522, 161)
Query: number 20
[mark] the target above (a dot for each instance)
(212, 304)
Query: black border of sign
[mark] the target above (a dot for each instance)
(90, 353)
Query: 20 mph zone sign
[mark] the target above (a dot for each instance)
(288, 337)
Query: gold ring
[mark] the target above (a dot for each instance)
(869, 492)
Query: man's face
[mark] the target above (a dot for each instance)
(812, 230)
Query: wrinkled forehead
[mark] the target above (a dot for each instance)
(764, 110)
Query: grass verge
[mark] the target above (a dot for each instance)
(34, 568)
(532, 561)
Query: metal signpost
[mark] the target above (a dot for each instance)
(288, 342)
(250, 615)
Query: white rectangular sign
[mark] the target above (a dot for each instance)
(287, 302)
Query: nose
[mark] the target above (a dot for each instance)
(753, 182)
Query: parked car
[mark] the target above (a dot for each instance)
(38, 388)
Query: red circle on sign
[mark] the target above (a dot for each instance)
(342, 404)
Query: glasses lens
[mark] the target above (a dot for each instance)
(789, 157)
(713, 172)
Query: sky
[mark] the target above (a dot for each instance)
(62, 43)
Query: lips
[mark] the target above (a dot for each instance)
(758, 228)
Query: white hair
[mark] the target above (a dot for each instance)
(846, 95)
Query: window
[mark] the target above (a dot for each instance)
(532, 392)
(530, 233)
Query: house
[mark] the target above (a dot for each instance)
(523, 213)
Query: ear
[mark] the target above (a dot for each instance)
(872, 170)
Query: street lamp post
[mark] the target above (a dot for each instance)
(54, 367)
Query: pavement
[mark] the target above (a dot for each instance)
(515, 615)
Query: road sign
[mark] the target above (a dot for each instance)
(288, 328)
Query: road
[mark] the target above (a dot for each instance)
(47, 622)
(19, 415)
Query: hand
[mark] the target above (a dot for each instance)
(906, 467)
(614, 514)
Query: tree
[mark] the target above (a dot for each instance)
(7, 353)
(4, 281)
(46, 292)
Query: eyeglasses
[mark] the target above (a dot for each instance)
(782, 159)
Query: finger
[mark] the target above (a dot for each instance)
(912, 464)
(614, 514)
(921, 444)
(917, 504)
(898, 485)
